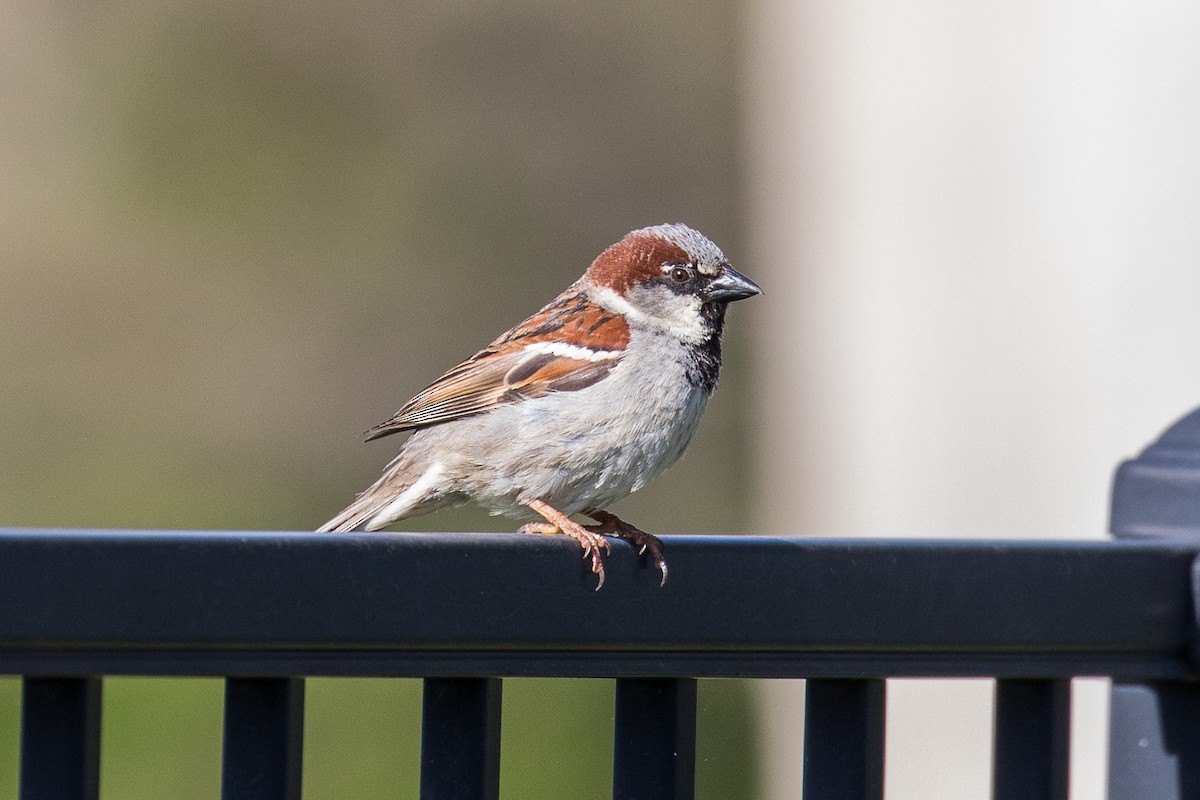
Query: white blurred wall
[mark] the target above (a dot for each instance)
(978, 230)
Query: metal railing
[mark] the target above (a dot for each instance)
(463, 611)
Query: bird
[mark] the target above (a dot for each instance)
(574, 408)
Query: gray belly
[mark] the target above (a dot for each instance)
(574, 455)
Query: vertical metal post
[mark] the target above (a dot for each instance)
(844, 739)
(1033, 739)
(60, 739)
(1154, 739)
(264, 739)
(460, 739)
(654, 739)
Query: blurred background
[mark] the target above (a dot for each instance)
(234, 235)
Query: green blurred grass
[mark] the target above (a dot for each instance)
(10, 715)
(162, 738)
(237, 235)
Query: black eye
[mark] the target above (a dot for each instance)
(680, 274)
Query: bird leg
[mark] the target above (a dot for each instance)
(611, 523)
(558, 522)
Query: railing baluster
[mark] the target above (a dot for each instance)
(1033, 727)
(460, 739)
(844, 739)
(264, 739)
(654, 747)
(60, 739)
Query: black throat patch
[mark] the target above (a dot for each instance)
(704, 359)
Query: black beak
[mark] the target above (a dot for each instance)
(730, 285)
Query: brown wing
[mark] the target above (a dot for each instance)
(531, 360)
(494, 378)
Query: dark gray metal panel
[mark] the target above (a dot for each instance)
(60, 739)
(1157, 494)
(303, 603)
(1154, 745)
(460, 739)
(654, 739)
(263, 748)
(1154, 740)
(844, 739)
(1032, 739)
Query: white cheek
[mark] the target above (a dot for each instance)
(614, 302)
(678, 315)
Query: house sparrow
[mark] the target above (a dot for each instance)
(574, 408)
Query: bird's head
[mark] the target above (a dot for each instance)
(669, 277)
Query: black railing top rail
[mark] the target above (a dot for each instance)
(269, 604)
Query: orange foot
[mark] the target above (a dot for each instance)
(611, 523)
(557, 522)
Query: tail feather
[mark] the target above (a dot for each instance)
(389, 499)
(354, 517)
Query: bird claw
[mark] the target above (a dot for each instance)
(591, 542)
(645, 542)
(591, 537)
